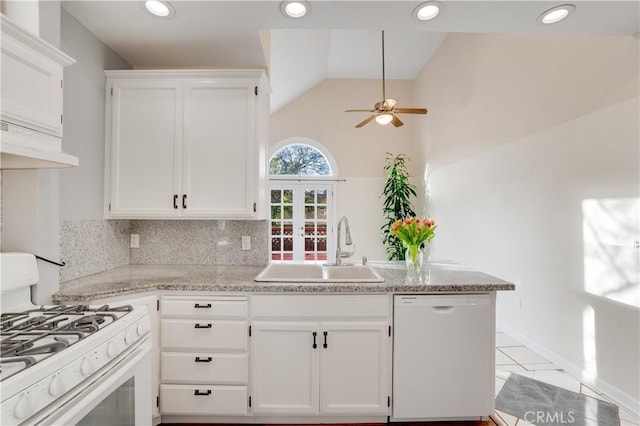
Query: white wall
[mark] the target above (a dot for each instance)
(360, 153)
(522, 130)
(82, 187)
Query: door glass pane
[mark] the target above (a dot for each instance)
(276, 196)
(309, 228)
(276, 212)
(309, 212)
(322, 196)
(287, 196)
(287, 212)
(322, 212)
(309, 196)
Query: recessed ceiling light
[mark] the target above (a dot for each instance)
(295, 9)
(556, 14)
(160, 8)
(427, 11)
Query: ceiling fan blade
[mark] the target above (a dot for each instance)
(371, 117)
(360, 110)
(396, 121)
(410, 110)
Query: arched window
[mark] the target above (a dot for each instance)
(299, 159)
(302, 207)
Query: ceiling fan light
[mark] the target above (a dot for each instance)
(556, 14)
(160, 8)
(384, 119)
(427, 11)
(295, 9)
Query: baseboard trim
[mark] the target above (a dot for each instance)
(622, 398)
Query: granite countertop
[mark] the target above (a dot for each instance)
(133, 279)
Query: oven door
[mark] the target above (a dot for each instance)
(121, 395)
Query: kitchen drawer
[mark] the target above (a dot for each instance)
(214, 400)
(204, 334)
(318, 307)
(222, 369)
(205, 307)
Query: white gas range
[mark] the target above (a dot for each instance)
(74, 364)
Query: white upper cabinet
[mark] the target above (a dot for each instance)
(186, 144)
(31, 100)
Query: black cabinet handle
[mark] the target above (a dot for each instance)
(175, 201)
(184, 201)
(198, 392)
(197, 305)
(208, 325)
(324, 345)
(315, 345)
(207, 359)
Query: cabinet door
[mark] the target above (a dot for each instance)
(145, 133)
(284, 368)
(355, 368)
(31, 87)
(219, 150)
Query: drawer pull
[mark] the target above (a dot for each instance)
(198, 392)
(208, 325)
(207, 359)
(197, 305)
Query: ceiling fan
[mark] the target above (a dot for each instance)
(384, 112)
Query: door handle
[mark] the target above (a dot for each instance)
(175, 201)
(184, 201)
(207, 359)
(198, 392)
(197, 305)
(325, 345)
(315, 345)
(208, 325)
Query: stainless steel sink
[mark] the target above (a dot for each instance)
(312, 273)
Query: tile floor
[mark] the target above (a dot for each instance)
(513, 357)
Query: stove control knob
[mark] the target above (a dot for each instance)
(112, 349)
(23, 408)
(56, 387)
(129, 337)
(87, 367)
(141, 329)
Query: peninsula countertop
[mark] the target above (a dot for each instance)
(437, 277)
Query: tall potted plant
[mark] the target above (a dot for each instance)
(397, 204)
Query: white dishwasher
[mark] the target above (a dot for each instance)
(443, 357)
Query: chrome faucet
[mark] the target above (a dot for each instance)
(347, 241)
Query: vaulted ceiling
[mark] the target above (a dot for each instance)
(338, 39)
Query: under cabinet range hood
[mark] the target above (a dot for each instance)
(31, 101)
(22, 148)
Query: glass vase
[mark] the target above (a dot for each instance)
(413, 257)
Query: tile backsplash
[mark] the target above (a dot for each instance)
(199, 242)
(92, 246)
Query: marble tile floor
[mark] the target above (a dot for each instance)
(514, 357)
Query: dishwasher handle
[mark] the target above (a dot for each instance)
(443, 309)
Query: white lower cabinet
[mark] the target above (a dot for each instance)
(285, 369)
(337, 365)
(204, 358)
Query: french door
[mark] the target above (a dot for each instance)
(301, 225)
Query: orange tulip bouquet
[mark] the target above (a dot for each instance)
(414, 232)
